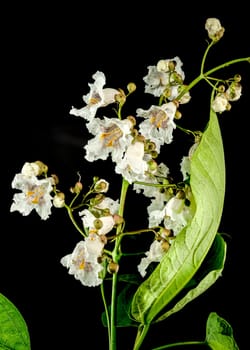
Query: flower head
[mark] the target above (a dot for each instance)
(214, 29)
(35, 194)
(96, 98)
(83, 263)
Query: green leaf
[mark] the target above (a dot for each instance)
(219, 333)
(179, 265)
(14, 333)
(206, 276)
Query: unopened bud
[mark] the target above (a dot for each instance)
(177, 78)
(171, 66)
(77, 188)
(59, 200)
(165, 245)
(121, 97)
(237, 78)
(150, 146)
(180, 194)
(165, 232)
(132, 119)
(97, 199)
(42, 167)
(221, 88)
(154, 154)
(113, 267)
(131, 87)
(167, 92)
(152, 164)
(118, 219)
(55, 179)
(177, 115)
(101, 186)
(98, 224)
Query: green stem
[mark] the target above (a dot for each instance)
(116, 258)
(206, 74)
(141, 334)
(70, 213)
(173, 345)
(106, 312)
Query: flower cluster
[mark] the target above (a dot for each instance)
(133, 143)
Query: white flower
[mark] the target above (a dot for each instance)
(214, 28)
(179, 211)
(94, 245)
(59, 200)
(30, 169)
(96, 98)
(154, 177)
(234, 91)
(185, 167)
(159, 123)
(154, 254)
(175, 92)
(110, 204)
(35, 195)
(133, 165)
(88, 219)
(112, 136)
(220, 103)
(83, 264)
(159, 77)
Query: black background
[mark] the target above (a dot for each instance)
(49, 54)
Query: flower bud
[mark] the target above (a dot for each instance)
(43, 167)
(214, 29)
(97, 199)
(77, 188)
(171, 66)
(165, 232)
(167, 92)
(165, 245)
(177, 115)
(121, 97)
(113, 267)
(152, 164)
(101, 186)
(132, 119)
(98, 224)
(59, 200)
(180, 194)
(154, 154)
(118, 219)
(233, 93)
(237, 78)
(131, 87)
(221, 88)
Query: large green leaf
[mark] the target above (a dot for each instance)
(178, 266)
(13, 329)
(210, 270)
(219, 333)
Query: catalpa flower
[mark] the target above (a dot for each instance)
(112, 137)
(96, 98)
(159, 123)
(36, 194)
(133, 165)
(166, 74)
(154, 254)
(214, 29)
(97, 224)
(83, 262)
